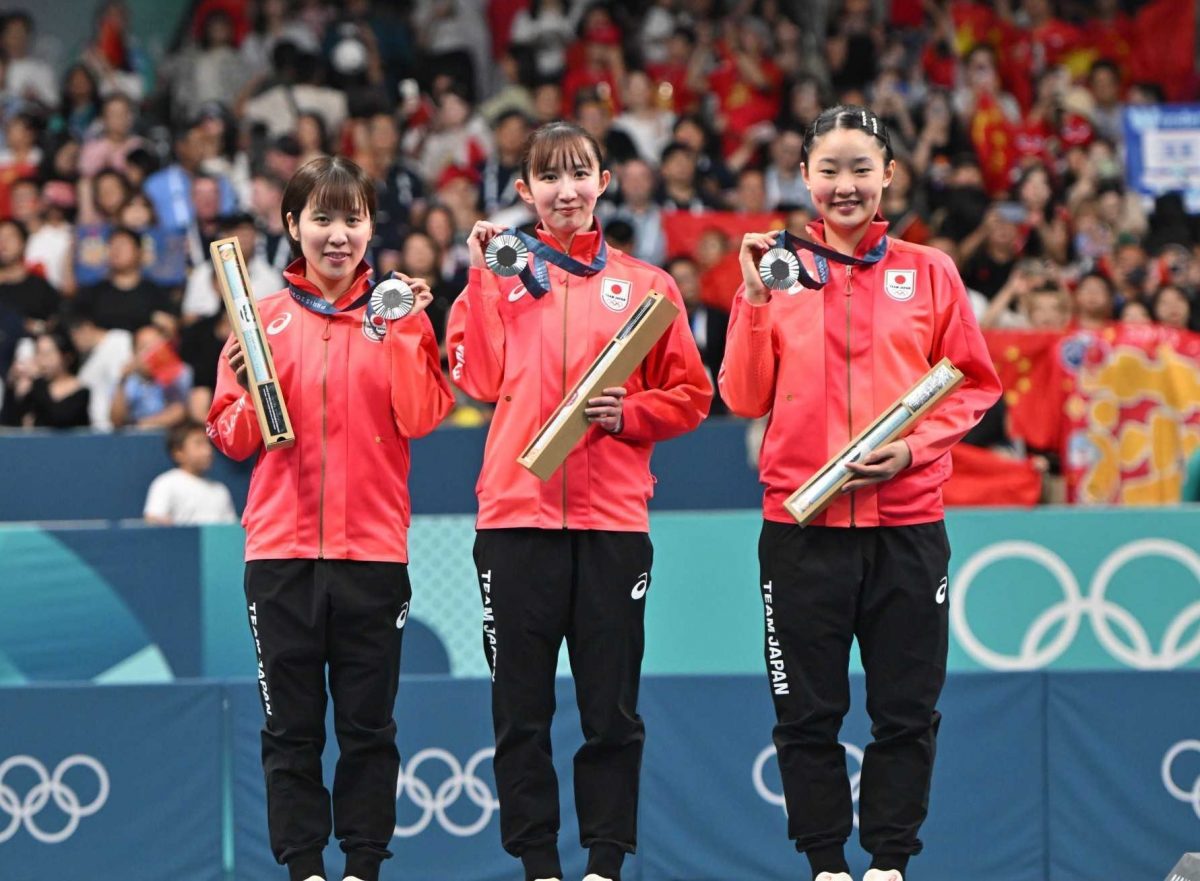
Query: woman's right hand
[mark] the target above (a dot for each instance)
(481, 233)
(754, 245)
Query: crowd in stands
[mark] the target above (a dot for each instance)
(115, 174)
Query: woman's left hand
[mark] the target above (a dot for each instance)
(421, 291)
(883, 464)
(605, 410)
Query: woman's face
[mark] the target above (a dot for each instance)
(846, 174)
(564, 193)
(110, 194)
(1093, 299)
(333, 242)
(50, 361)
(308, 134)
(118, 119)
(1172, 308)
(123, 254)
(1035, 190)
(136, 214)
(440, 226)
(419, 256)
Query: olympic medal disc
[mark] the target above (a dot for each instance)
(392, 299)
(779, 269)
(506, 255)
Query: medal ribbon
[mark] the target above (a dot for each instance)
(822, 254)
(536, 275)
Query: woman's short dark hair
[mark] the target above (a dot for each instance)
(331, 183)
(555, 144)
(847, 116)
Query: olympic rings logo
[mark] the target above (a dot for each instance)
(1188, 796)
(776, 798)
(48, 786)
(434, 804)
(1102, 612)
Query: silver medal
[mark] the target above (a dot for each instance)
(506, 255)
(392, 299)
(779, 269)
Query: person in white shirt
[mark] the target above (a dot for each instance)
(104, 355)
(201, 297)
(183, 496)
(25, 76)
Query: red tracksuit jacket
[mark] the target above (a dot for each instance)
(341, 491)
(524, 354)
(825, 364)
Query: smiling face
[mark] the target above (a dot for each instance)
(332, 241)
(847, 173)
(562, 183)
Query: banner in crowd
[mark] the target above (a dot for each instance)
(1121, 406)
(1162, 148)
(112, 782)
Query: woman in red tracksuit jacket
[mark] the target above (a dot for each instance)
(568, 558)
(825, 364)
(327, 520)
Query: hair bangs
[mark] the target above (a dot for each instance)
(560, 147)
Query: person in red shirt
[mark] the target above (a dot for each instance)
(873, 566)
(748, 85)
(327, 520)
(568, 558)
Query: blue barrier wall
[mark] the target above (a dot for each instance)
(111, 472)
(1055, 589)
(1039, 777)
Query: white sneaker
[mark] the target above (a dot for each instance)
(547, 879)
(834, 876)
(351, 878)
(883, 875)
(595, 877)
(314, 878)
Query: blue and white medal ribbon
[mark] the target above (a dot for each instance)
(511, 253)
(780, 268)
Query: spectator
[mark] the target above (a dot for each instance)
(266, 197)
(713, 176)
(104, 354)
(311, 137)
(126, 299)
(785, 185)
(500, 170)
(420, 257)
(25, 77)
(273, 24)
(644, 120)
(708, 323)
(678, 189)
(116, 140)
(1094, 302)
(1170, 306)
(1104, 82)
(680, 75)
(114, 56)
(79, 105)
(638, 209)
(200, 344)
(459, 136)
(900, 208)
(156, 385)
(595, 65)
(1134, 312)
(747, 83)
(170, 188)
(1046, 233)
(595, 117)
(166, 252)
(20, 157)
(991, 251)
(49, 396)
(750, 197)
(202, 297)
(28, 295)
(183, 496)
(545, 30)
(455, 259)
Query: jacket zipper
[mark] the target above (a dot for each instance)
(566, 300)
(324, 436)
(849, 384)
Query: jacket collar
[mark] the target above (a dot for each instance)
(294, 275)
(875, 231)
(583, 247)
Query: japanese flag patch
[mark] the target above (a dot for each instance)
(900, 284)
(614, 293)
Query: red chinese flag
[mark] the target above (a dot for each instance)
(1035, 386)
(1164, 46)
(984, 478)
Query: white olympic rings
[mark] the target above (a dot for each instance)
(434, 804)
(23, 810)
(1101, 611)
(777, 798)
(1191, 796)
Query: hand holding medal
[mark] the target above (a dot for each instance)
(755, 249)
(399, 296)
